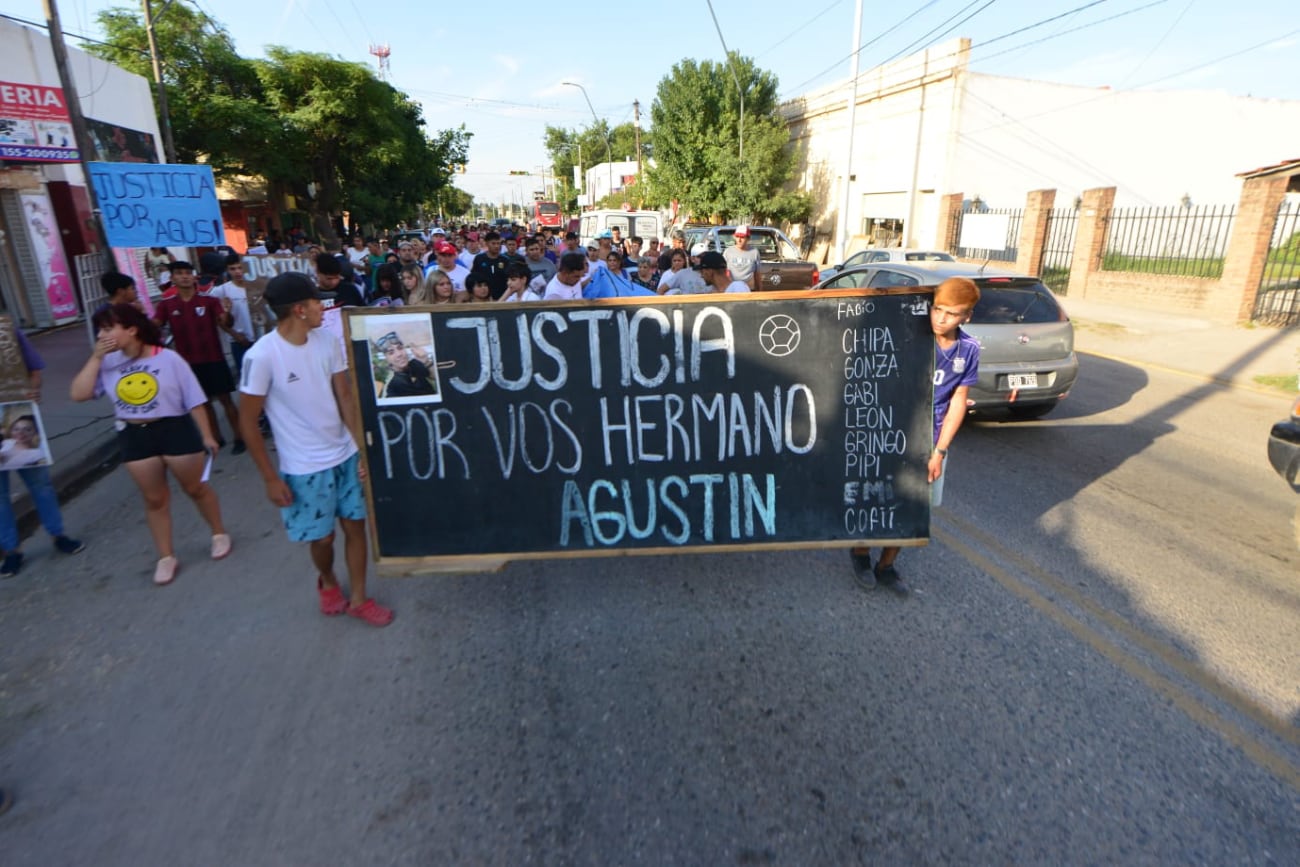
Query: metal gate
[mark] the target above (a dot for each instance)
(1278, 299)
(1058, 248)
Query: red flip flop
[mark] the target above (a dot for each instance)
(332, 602)
(371, 612)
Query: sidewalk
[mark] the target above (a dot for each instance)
(81, 435)
(1229, 354)
(84, 442)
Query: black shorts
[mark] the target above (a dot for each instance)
(214, 377)
(177, 435)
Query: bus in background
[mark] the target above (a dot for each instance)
(547, 214)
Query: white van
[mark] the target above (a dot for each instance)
(643, 224)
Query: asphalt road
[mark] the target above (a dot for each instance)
(1098, 666)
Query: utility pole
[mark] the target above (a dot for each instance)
(851, 110)
(636, 109)
(169, 146)
(85, 149)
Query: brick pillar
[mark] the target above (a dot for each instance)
(1033, 231)
(1090, 239)
(1252, 232)
(949, 207)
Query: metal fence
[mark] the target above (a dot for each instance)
(1058, 248)
(987, 233)
(1278, 300)
(1180, 241)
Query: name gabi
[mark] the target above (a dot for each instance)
(674, 508)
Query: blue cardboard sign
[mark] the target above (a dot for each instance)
(158, 205)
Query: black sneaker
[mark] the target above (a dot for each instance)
(12, 563)
(888, 578)
(238, 448)
(862, 568)
(65, 545)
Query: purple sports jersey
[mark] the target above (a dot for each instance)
(955, 366)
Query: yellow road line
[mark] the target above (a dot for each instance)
(1269, 759)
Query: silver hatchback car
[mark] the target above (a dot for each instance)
(1027, 360)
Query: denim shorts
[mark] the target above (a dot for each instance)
(320, 497)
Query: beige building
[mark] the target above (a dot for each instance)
(926, 126)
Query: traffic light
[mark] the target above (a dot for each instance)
(518, 172)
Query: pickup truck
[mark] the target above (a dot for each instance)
(779, 265)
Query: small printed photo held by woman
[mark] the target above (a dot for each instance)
(403, 364)
(24, 443)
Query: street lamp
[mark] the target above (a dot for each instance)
(609, 155)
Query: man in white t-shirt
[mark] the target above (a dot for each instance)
(566, 285)
(358, 253)
(298, 375)
(234, 297)
(713, 268)
(472, 249)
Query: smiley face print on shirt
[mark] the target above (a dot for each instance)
(138, 388)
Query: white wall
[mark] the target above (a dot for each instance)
(1016, 135)
(904, 115)
(598, 178)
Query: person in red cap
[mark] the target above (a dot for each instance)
(445, 261)
(742, 259)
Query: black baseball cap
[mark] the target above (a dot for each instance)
(712, 259)
(290, 288)
(180, 265)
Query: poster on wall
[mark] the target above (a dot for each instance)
(34, 124)
(47, 247)
(115, 143)
(24, 443)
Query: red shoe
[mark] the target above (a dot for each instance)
(332, 602)
(372, 612)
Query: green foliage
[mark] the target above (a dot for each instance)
(1181, 267)
(325, 129)
(563, 146)
(453, 203)
(696, 121)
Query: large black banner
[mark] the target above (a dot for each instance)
(577, 428)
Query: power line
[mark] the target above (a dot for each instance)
(922, 63)
(1159, 42)
(865, 45)
(799, 30)
(1109, 93)
(915, 42)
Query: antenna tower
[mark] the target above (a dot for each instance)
(382, 52)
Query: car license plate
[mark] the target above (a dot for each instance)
(1022, 380)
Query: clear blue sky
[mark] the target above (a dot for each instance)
(500, 74)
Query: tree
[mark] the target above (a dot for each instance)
(452, 202)
(563, 146)
(326, 130)
(696, 122)
(214, 94)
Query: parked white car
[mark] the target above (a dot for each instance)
(873, 255)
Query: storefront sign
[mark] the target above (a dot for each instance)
(158, 205)
(34, 124)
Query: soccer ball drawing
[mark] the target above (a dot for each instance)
(779, 335)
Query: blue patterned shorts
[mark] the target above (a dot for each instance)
(319, 498)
